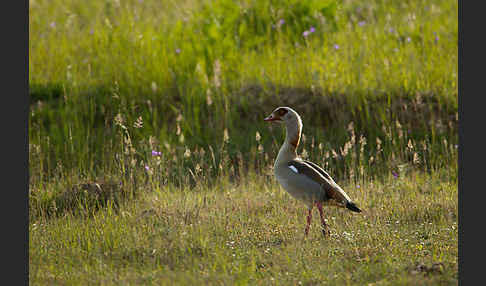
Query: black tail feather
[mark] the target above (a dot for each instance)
(353, 207)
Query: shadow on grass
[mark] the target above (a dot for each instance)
(45, 92)
(82, 199)
(332, 111)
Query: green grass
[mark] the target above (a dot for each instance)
(252, 233)
(111, 81)
(101, 59)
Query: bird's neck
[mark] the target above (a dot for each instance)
(288, 151)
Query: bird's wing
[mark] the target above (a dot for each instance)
(320, 170)
(333, 191)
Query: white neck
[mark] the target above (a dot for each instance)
(288, 151)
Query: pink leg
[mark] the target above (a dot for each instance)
(309, 217)
(323, 221)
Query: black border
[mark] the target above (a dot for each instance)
(460, 187)
(14, 116)
(470, 153)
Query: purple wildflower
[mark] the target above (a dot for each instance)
(361, 23)
(391, 30)
(305, 34)
(281, 22)
(178, 51)
(156, 153)
(395, 174)
(147, 168)
(52, 25)
(436, 39)
(312, 29)
(358, 186)
(409, 39)
(336, 47)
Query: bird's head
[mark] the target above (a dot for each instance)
(284, 115)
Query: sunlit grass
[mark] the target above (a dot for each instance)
(380, 62)
(253, 233)
(150, 163)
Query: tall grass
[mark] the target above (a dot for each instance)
(197, 69)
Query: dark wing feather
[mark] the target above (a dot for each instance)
(332, 189)
(320, 170)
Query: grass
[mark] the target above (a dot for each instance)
(252, 233)
(150, 163)
(234, 67)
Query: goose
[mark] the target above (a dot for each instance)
(302, 179)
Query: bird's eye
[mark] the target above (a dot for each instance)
(282, 112)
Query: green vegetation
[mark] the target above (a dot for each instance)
(253, 234)
(113, 83)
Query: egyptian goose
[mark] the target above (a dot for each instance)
(303, 179)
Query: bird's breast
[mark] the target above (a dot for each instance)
(298, 185)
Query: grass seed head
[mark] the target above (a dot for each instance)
(226, 136)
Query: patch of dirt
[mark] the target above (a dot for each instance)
(93, 195)
(434, 268)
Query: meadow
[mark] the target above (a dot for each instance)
(150, 163)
